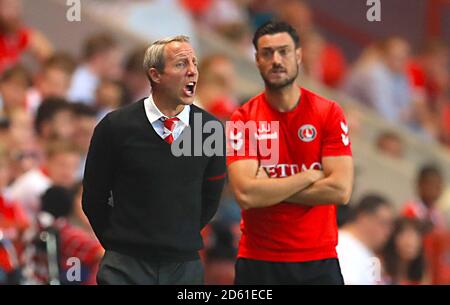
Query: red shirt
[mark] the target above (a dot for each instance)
(333, 65)
(418, 210)
(315, 128)
(12, 47)
(222, 108)
(75, 242)
(13, 220)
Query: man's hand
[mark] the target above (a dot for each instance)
(335, 188)
(252, 188)
(313, 174)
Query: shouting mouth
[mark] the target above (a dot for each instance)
(189, 89)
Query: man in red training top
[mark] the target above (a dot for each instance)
(288, 183)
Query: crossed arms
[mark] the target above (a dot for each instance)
(253, 189)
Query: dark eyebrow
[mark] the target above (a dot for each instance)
(277, 47)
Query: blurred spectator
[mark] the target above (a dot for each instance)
(136, 83)
(324, 61)
(85, 120)
(403, 255)
(12, 216)
(444, 204)
(389, 143)
(429, 71)
(4, 130)
(343, 214)
(261, 11)
(21, 128)
(53, 80)
(430, 184)
(15, 38)
(54, 120)
(362, 237)
(25, 151)
(430, 80)
(78, 218)
(297, 13)
(13, 222)
(381, 82)
(230, 19)
(108, 97)
(24, 159)
(444, 121)
(60, 167)
(197, 8)
(102, 59)
(14, 83)
(216, 86)
(73, 241)
(312, 46)
(221, 241)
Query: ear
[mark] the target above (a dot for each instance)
(298, 55)
(257, 58)
(154, 75)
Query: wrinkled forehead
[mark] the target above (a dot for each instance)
(177, 49)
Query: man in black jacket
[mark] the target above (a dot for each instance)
(146, 204)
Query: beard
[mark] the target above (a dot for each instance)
(282, 84)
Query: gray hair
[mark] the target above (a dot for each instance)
(154, 55)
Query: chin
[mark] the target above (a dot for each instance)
(187, 100)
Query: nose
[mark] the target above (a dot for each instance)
(192, 69)
(276, 57)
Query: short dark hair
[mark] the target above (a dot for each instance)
(274, 27)
(370, 203)
(97, 44)
(81, 109)
(428, 170)
(48, 108)
(389, 134)
(62, 61)
(134, 61)
(58, 201)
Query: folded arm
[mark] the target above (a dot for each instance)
(335, 188)
(252, 192)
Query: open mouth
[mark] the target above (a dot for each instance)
(189, 89)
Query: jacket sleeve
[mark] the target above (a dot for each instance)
(213, 183)
(97, 179)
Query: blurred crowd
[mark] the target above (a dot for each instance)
(48, 111)
(379, 244)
